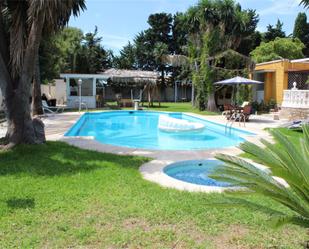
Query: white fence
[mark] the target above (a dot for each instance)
(296, 99)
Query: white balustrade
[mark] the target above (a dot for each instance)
(295, 98)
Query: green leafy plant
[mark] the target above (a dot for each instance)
(285, 160)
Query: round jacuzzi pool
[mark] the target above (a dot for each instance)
(196, 172)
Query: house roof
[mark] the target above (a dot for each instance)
(303, 60)
(83, 76)
(131, 76)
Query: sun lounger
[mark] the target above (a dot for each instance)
(296, 125)
(52, 109)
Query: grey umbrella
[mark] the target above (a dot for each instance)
(238, 81)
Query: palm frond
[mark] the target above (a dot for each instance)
(281, 220)
(305, 3)
(286, 161)
(232, 202)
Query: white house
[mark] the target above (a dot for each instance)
(88, 88)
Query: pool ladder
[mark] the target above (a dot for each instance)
(229, 124)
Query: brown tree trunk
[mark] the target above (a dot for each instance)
(20, 123)
(211, 103)
(36, 90)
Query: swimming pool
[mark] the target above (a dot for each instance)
(195, 171)
(139, 129)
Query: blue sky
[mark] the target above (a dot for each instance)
(119, 21)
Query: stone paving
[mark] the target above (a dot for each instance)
(56, 126)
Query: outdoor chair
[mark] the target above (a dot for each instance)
(51, 109)
(227, 110)
(245, 103)
(246, 112)
(240, 114)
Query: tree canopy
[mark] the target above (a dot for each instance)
(280, 48)
(69, 50)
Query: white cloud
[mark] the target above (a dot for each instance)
(114, 42)
(280, 7)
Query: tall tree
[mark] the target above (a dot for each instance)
(57, 53)
(274, 31)
(92, 57)
(160, 28)
(127, 58)
(212, 21)
(69, 41)
(179, 34)
(301, 31)
(22, 24)
(158, 32)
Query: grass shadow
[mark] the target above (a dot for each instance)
(20, 203)
(58, 158)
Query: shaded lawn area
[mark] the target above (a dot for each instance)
(58, 196)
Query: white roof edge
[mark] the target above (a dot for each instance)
(264, 71)
(300, 60)
(83, 76)
(270, 62)
(276, 61)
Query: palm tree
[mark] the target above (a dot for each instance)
(22, 24)
(286, 161)
(305, 3)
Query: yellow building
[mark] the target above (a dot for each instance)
(279, 75)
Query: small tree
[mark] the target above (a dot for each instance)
(286, 48)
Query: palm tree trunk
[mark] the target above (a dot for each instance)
(20, 124)
(36, 90)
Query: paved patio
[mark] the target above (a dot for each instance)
(57, 125)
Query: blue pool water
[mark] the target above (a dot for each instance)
(139, 129)
(196, 172)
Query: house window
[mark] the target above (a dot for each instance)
(300, 78)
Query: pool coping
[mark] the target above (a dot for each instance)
(153, 170)
(161, 178)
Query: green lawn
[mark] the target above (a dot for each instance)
(179, 107)
(58, 196)
(169, 107)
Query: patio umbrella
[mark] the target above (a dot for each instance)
(236, 81)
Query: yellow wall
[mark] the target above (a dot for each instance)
(269, 90)
(277, 81)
